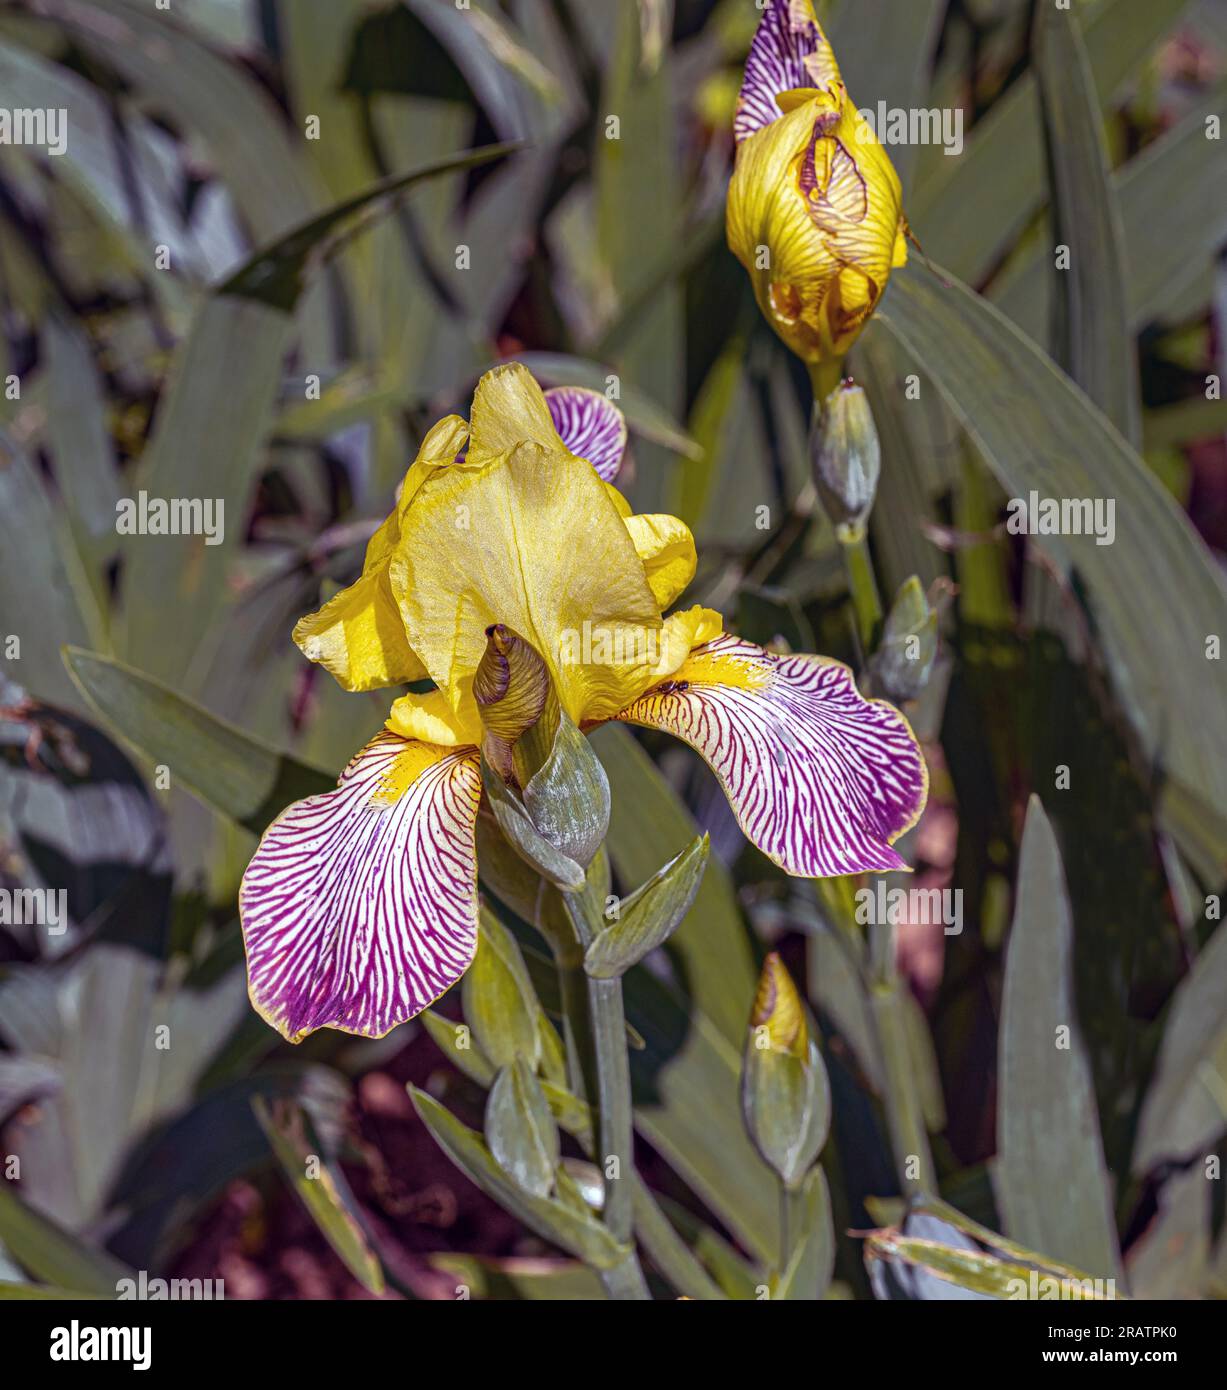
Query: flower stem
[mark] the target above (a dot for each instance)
(601, 1029)
(785, 1236)
(670, 1253)
(577, 1029)
(866, 602)
(824, 377)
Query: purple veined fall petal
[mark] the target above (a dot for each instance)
(789, 51)
(359, 907)
(590, 425)
(820, 779)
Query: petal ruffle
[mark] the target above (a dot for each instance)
(680, 633)
(358, 636)
(820, 779)
(590, 425)
(359, 907)
(430, 718)
(789, 51)
(666, 547)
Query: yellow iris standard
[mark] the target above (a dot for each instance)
(519, 531)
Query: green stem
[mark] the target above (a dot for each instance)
(577, 1028)
(785, 1236)
(866, 602)
(615, 1125)
(625, 1282)
(670, 1253)
(602, 1027)
(824, 377)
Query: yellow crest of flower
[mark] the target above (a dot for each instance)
(815, 205)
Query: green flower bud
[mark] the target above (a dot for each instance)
(845, 457)
(904, 659)
(785, 1095)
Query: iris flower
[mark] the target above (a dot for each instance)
(360, 905)
(814, 206)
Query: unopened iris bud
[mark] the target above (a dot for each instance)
(785, 1095)
(778, 1016)
(904, 660)
(514, 697)
(814, 205)
(846, 457)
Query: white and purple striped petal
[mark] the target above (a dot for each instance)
(820, 779)
(359, 907)
(591, 426)
(789, 51)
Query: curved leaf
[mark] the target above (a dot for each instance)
(1156, 593)
(321, 1188)
(225, 767)
(1052, 1182)
(48, 1252)
(1094, 342)
(649, 915)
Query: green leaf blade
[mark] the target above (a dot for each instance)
(1052, 1180)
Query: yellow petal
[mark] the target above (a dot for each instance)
(815, 216)
(666, 547)
(533, 541)
(508, 409)
(680, 633)
(430, 718)
(440, 449)
(900, 256)
(622, 506)
(359, 636)
(778, 1009)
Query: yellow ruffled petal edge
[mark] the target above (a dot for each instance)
(510, 408)
(358, 636)
(666, 547)
(680, 633)
(430, 718)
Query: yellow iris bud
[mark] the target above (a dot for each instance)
(777, 1021)
(815, 206)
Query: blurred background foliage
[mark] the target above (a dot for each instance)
(200, 298)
